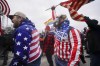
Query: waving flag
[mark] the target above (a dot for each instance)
(4, 10)
(73, 6)
(4, 7)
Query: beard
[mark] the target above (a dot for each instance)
(15, 25)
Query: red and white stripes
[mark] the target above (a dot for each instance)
(4, 10)
(73, 6)
(76, 45)
(4, 7)
(69, 50)
(35, 50)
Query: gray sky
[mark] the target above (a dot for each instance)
(35, 11)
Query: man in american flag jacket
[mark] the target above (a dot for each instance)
(67, 47)
(26, 46)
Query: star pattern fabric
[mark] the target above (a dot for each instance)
(67, 45)
(62, 32)
(22, 36)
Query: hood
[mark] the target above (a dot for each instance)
(27, 22)
(64, 25)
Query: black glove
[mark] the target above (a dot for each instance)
(87, 18)
(91, 22)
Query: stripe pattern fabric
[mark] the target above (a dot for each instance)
(4, 10)
(73, 6)
(4, 7)
(70, 49)
(35, 50)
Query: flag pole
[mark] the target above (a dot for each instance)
(52, 6)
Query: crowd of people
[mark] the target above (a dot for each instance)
(64, 42)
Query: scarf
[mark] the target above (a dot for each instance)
(61, 32)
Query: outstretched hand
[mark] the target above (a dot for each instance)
(87, 18)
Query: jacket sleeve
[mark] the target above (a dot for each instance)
(92, 23)
(21, 48)
(75, 51)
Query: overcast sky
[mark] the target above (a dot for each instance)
(35, 11)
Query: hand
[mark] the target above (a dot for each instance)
(87, 18)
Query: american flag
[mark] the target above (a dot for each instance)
(73, 6)
(4, 7)
(4, 10)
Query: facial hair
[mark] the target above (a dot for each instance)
(16, 25)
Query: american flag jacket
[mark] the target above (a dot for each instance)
(26, 46)
(67, 44)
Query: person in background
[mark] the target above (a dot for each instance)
(42, 35)
(7, 42)
(93, 41)
(85, 42)
(67, 46)
(48, 45)
(26, 48)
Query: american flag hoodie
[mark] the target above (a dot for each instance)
(26, 46)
